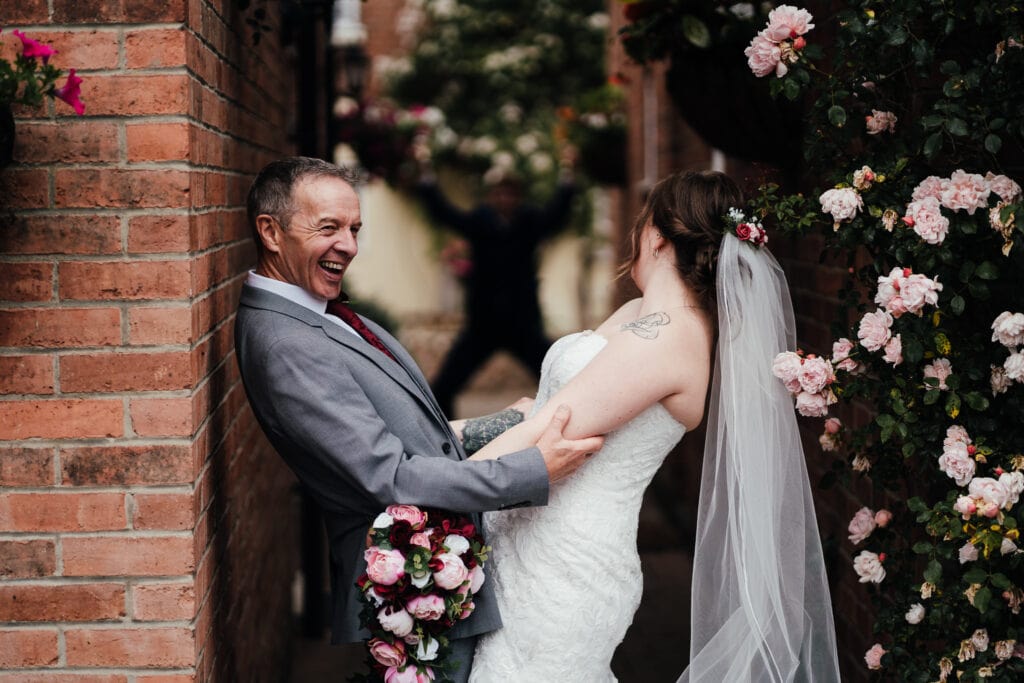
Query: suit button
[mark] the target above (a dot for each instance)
(446, 448)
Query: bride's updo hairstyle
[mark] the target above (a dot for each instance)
(688, 208)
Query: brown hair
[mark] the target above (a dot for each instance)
(688, 209)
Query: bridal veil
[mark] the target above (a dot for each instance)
(760, 600)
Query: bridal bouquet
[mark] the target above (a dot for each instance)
(423, 567)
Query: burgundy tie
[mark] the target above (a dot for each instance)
(348, 315)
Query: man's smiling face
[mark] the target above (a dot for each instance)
(319, 242)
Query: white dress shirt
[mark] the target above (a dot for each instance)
(297, 295)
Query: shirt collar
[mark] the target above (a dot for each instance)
(293, 293)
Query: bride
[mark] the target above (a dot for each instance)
(567, 576)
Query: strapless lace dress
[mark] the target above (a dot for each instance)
(567, 576)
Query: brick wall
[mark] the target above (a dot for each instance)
(146, 531)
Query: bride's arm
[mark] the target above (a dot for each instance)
(477, 432)
(630, 374)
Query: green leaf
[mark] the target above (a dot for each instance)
(897, 36)
(915, 504)
(949, 67)
(979, 290)
(975, 575)
(885, 434)
(696, 31)
(993, 143)
(912, 349)
(957, 127)
(923, 548)
(982, 599)
(909, 449)
(933, 572)
(957, 304)
(988, 271)
(933, 145)
(885, 420)
(953, 405)
(1001, 581)
(976, 401)
(837, 116)
(931, 396)
(932, 121)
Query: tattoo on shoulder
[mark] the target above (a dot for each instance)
(647, 326)
(479, 431)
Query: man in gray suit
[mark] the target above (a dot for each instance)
(345, 405)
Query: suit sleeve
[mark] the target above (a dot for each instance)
(339, 445)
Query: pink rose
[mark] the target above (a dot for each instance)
(966, 191)
(1008, 329)
(841, 355)
(956, 434)
(990, 491)
(386, 653)
(786, 22)
(1013, 366)
(928, 220)
(408, 513)
(452, 572)
(1006, 188)
(965, 506)
(1014, 483)
(398, 622)
(467, 609)
(811, 405)
(815, 375)
(932, 186)
(421, 539)
(880, 122)
(384, 567)
(861, 526)
(843, 203)
(763, 56)
(426, 607)
(408, 674)
(968, 553)
(957, 464)
(868, 566)
(873, 657)
(919, 291)
(476, 579)
(874, 330)
(894, 350)
(833, 425)
(787, 366)
(939, 369)
(883, 517)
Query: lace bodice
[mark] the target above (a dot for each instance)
(567, 575)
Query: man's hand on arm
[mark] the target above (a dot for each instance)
(563, 456)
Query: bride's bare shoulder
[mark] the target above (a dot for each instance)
(625, 313)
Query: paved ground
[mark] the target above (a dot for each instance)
(655, 649)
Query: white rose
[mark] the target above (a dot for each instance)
(989, 490)
(456, 543)
(400, 623)
(915, 614)
(1008, 329)
(843, 203)
(968, 553)
(1014, 366)
(426, 649)
(1004, 649)
(868, 566)
(1014, 483)
(862, 524)
(383, 521)
(980, 640)
(1007, 547)
(957, 464)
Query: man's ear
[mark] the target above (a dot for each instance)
(269, 231)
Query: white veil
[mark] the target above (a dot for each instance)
(760, 601)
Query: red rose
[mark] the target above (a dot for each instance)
(743, 231)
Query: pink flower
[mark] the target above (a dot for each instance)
(32, 49)
(421, 539)
(408, 674)
(811, 405)
(968, 553)
(932, 186)
(408, 513)
(880, 122)
(70, 91)
(928, 220)
(843, 203)
(919, 291)
(868, 566)
(387, 654)
(894, 351)
(862, 524)
(1014, 483)
(998, 381)
(786, 22)
(764, 56)
(993, 493)
(939, 369)
(915, 614)
(883, 517)
(957, 463)
(873, 657)
(1006, 188)
(452, 572)
(398, 622)
(1008, 329)
(476, 579)
(384, 567)
(426, 607)
(875, 330)
(816, 374)
(966, 191)
(841, 349)
(787, 366)
(955, 434)
(833, 425)
(966, 506)
(1013, 366)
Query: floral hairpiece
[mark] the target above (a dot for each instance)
(746, 229)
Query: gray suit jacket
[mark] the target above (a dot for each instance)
(361, 432)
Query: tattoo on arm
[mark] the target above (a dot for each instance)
(647, 326)
(479, 431)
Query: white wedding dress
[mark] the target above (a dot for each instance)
(567, 575)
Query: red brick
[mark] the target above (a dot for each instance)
(63, 234)
(127, 556)
(62, 511)
(67, 142)
(82, 49)
(61, 677)
(26, 466)
(25, 188)
(60, 327)
(163, 601)
(69, 602)
(166, 648)
(117, 11)
(158, 141)
(105, 372)
(162, 233)
(24, 11)
(138, 95)
(24, 647)
(154, 48)
(162, 416)
(168, 678)
(26, 281)
(161, 325)
(61, 419)
(26, 375)
(126, 465)
(27, 559)
(163, 511)
(124, 280)
(121, 188)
